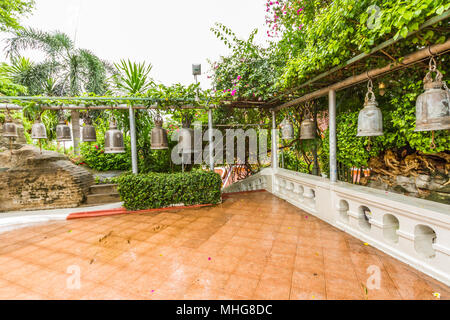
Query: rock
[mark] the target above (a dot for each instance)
(407, 183)
(439, 197)
(31, 180)
(423, 181)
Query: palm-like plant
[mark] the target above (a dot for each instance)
(65, 71)
(132, 78)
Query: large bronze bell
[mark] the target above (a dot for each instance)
(432, 106)
(38, 130)
(159, 139)
(88, 133)
(370, 119)
(287, 129)
(63, 132)
(186, 139)
(114, 139)
(307, 129)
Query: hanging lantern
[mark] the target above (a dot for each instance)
(38, 130)
(114, 139)
(63, 130)
(432, 106)
(287, 129)
(186, 138)
(308, 127)
(159, 135)
(88, 132)
(370, 119)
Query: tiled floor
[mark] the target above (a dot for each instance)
(253, 246)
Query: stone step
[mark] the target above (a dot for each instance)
(103, 188)
(101, 198)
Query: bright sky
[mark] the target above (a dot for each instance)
(171, 35)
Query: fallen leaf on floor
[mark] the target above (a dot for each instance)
(92, 261)
(437, 295)
(69, 231)
(366, 244)
(209, 258)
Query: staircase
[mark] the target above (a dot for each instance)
(102, 193)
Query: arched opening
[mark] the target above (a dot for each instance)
(390, 227)
(364, 217)
(424, 237)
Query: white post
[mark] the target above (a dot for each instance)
(274, 142)
(332, 125)
(210, 138)
(134, 164)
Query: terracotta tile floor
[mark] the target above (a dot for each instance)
(253, 246)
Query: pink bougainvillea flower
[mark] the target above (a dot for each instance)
(239, 77)
(299, 10)
(300, 27)
(233, 92)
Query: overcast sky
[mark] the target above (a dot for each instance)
(171, 35)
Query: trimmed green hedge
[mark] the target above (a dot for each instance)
(158, 190)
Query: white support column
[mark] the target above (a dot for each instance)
(332, 127)
(274, 141)
(134, 164)
(210, 138)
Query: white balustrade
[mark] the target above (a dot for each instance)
(413, 230)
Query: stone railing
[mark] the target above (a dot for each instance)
(413, 230)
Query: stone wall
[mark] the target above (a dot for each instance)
(31, 180)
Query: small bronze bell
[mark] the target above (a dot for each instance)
(10, 129)
(370, 119)
(114, 139)
(88, 132)
(287, 129)
(186, 138)
(432, 106)
(38, 130)
(63, 131)
(308, 126)
(159, 139)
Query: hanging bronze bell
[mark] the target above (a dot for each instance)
(287, 129)
(159, 139)
(10, 130)
(432, 106)
(186, 138)
(307, 129)
(370, 119)
(114, 139)
(88, 133)
(63, 131)
(38, 130)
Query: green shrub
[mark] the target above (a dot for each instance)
(157, 190)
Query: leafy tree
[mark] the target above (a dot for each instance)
(11, 11)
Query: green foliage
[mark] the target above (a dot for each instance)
(333, 32)
(250, 71)
(11, 11)
(157, 190)
(132, 78)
